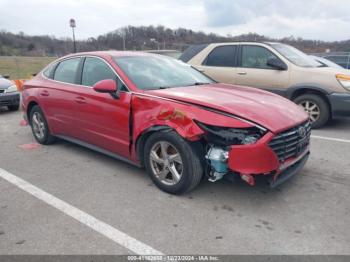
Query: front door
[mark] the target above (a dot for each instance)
(101, 119)
(254, 71)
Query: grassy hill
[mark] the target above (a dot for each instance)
(22, 67)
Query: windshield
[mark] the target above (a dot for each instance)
(157, 72)
(295, 56)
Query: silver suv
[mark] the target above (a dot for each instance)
(323, 92)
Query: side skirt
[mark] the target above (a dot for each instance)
(98, 149)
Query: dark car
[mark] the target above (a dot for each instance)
(171, 53)
(9, 95)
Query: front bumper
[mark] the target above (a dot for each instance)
(260, 159)
(10, 99)
(340, 104)
(289, 171)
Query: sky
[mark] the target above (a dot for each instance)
(327, 20)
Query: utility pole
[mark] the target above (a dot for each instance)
(73, 25)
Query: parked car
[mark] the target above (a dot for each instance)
(160, 113)
(323, 92)
(9, 96)
(340, 58)
(325, 62)
(171, 53)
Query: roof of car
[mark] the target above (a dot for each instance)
(112, 53)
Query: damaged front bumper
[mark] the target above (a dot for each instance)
(260, 159)
(294, 168)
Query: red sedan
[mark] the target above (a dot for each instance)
(164, 115)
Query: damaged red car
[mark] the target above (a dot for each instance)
(160, 113)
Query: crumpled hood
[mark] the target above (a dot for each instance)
(266, 109)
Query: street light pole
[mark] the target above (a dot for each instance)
(73, 25)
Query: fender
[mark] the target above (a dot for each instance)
(29, 98)
(307, 86)
(141, 139)
(152, 114)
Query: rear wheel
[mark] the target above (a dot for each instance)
(40, 127)
(172, 162)
(13, 107)
(316, 107)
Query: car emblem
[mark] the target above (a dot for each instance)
(302, 131)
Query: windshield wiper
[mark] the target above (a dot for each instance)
(193, 84)
(200, 83)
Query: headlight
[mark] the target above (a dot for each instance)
(226, 136)
(344, 80)
(11, 89)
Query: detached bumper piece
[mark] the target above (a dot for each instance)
(289, 172)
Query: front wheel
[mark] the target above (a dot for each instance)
(316, 107)
(172, 162)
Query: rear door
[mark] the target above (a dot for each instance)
(102, 120)
(254, 71)
(57, 95)
(220, 64)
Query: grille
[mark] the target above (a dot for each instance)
(291, 143)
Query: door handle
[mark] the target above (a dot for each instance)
(242, 73)
(80, 100)
(44, 93)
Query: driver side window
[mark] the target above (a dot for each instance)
(96, 70)
(256, 57)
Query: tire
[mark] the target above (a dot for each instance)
(37, 118)
(190, 167)
(13, 107)
(321, 105)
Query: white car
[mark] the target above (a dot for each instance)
(9, 95)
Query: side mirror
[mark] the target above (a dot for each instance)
(107, 86)
(276, 64)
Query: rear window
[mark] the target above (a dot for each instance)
(191, 52)
(48, 72)
(66, 70)
(223, 56)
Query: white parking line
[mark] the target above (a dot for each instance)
(108, 231)
(331, 139)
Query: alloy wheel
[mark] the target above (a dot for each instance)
(312, 109)
(166, 163)
(38, 125)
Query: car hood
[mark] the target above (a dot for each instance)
(4, 83)
(266, 109)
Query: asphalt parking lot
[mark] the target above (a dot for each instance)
(308, 215)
